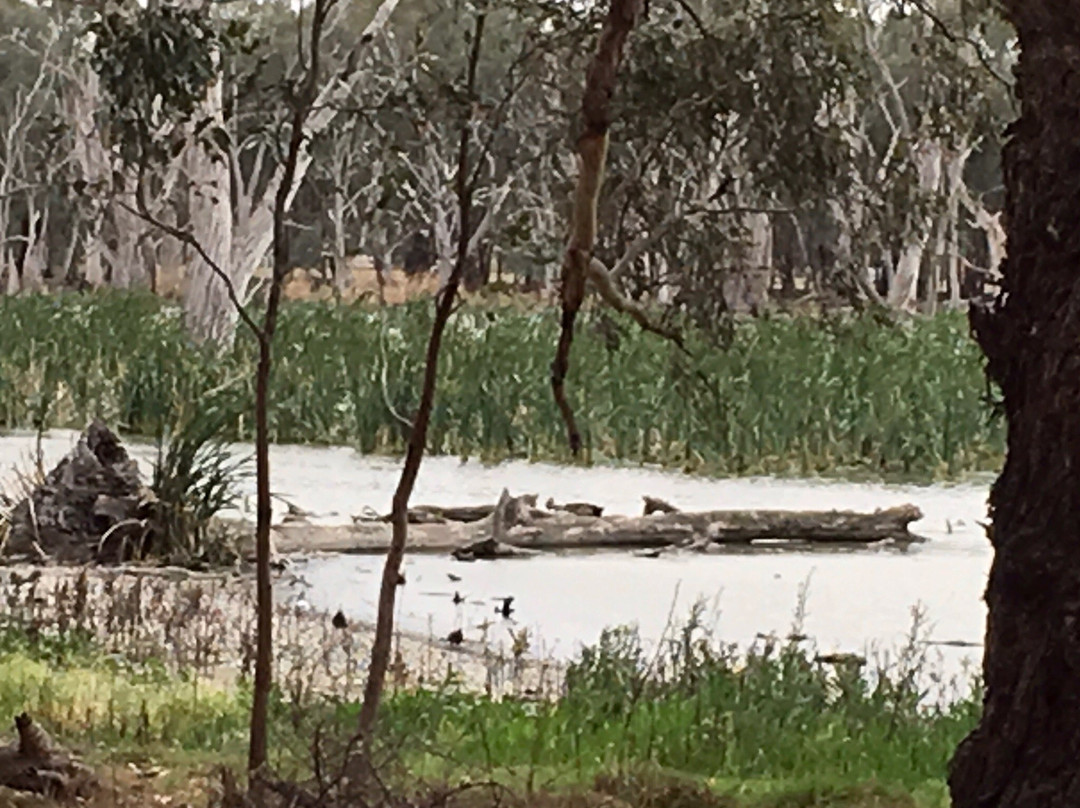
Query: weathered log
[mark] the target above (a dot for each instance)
(738, 527)
(35, 764)
(527, 528)
(438, 514)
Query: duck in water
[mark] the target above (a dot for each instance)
(506, 609)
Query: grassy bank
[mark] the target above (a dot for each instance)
(770, 727)
(787, 396)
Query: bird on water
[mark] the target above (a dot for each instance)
(506, 609)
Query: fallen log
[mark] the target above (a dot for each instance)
(530, 528)
(438, 514)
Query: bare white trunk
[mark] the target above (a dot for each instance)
(208, 311)
(35, 258)
(995, 241)
(252, 239)
(937, 260)
(126, 260)
(903, 293)
(747, 287)
(954, 177)
(337, 222)
(91, 161)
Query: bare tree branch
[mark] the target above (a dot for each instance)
(592, 154)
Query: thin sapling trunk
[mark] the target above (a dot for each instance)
(384, 626)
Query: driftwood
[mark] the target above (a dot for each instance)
(438, 514)
(516, 525)
(34, 763)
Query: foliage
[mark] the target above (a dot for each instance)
(155, 64)
(195, 477)
(754, 725)
(709, 129)
(772, 714)
(801, 394)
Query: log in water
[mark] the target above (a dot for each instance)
(515, 525)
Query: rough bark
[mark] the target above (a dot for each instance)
(592, 154)
(1023, 754)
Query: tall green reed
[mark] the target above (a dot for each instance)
(789, 395)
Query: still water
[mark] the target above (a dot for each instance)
(855, 600)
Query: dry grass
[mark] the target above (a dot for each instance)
(204, 625)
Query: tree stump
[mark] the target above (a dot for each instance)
(35, 764)
(87, 508)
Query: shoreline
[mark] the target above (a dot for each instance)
(203, 624)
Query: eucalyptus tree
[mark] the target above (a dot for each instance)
(1023, 752)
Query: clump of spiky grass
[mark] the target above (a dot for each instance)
(195, 478)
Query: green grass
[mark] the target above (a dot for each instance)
(804, 395)
(768, 727)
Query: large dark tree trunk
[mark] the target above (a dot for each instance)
(1026, 750)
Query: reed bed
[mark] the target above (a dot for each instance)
(804, 395)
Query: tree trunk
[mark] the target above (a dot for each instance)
(82, 98)
(210, 315)
(592, 147)
(903, 291)
(954, 177)
(35, 256)
(126, 262)
(260, 701)
(414, 453)
(1023, 754)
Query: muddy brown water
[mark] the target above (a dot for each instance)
(855, 600)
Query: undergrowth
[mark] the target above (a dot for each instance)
(774, 724)
(802, 395)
